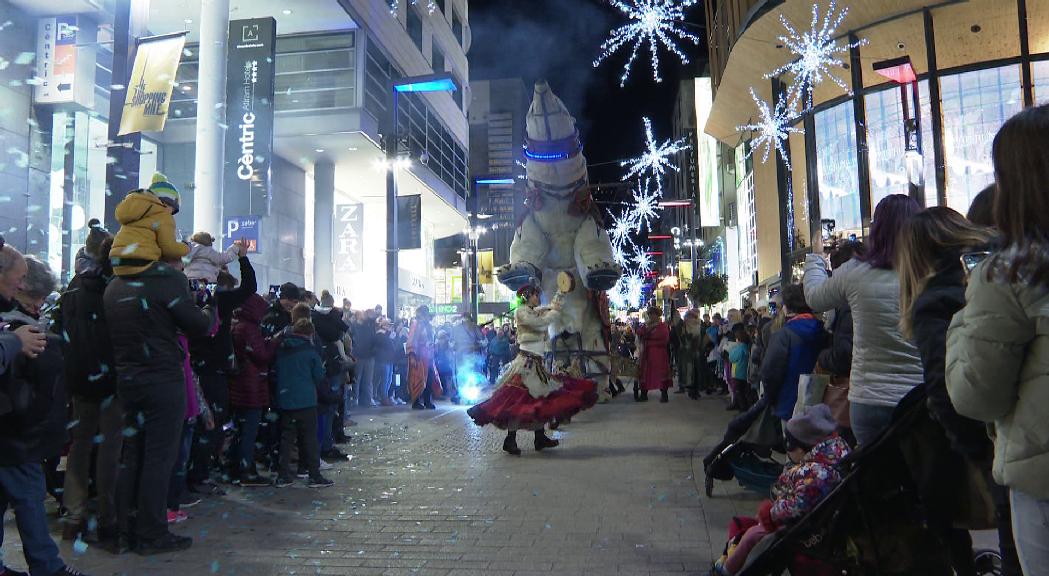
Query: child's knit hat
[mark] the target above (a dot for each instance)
(165, 190)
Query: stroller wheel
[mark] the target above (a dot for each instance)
(988, 562)
(708, 485)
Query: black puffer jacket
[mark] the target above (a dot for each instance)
(39, 431)
(214, 354)
(837, 359)
(90, 370)
(145, 312)
(943, 297)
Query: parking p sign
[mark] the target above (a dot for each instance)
(245, 228)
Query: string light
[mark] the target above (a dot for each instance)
(772, 129)
(653, 22)
(817, 54)
(656, 158)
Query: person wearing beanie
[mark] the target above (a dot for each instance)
(816, 451)
(204, 261)
(147, 228)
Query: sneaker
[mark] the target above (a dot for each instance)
(325, 465)
(166, 543)
(177, 516)
(283, 482)
(320, 482)
(66, 571)
(188, 500)
(302, 474)
(255, 481)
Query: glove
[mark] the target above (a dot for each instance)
(765, 515)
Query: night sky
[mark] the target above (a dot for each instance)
(558, 40)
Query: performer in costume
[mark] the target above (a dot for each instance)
(527, 397)
(423, 382)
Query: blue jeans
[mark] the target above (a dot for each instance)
(248, 419)
(365, 375)
(22, 490)
(178, 473)
(869, 421)
(382, 381)
(1031, 532)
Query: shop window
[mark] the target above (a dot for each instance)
(836, 168)
(975, 105)
(415, 28)
(886, 146)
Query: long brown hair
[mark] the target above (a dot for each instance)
(924, 241)
(1021, 205)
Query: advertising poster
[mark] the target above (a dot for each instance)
(149, 89)
(244, 228)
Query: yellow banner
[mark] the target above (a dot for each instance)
(684, 274)
(485, 266)
(149, 90)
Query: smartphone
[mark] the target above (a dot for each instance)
(971, 259)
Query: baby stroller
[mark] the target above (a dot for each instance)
(746, 451)
(870, 524)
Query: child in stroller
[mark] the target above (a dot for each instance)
(815, 448)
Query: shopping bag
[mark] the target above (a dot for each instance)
(810, 391)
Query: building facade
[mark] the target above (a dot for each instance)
(333, 66)
(976, 64)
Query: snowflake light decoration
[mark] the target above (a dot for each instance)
(772, 129)
(643, 260)
(622, 225)
(656, 158)
(632, 290)
(646, 205)
(431, 6)
(817, 54)
(655, 22)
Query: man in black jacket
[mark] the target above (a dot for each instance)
(330, 329)
(145, 312)
(212, 360)
(92, 381)
(25, 433)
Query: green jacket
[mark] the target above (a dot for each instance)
(998, 354)
(299, 371)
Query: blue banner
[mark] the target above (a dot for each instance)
(244, 228)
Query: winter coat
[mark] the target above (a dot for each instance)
(944, 296)
(837, 358)
(250, 386)
(757, 351)
(998, 354)
(90, 368)
(275, 320)
(10, 348)
(801, 487)
(791, 352)
(300, 372)
(38, 431)
(146, 235)
(192, 402)
(144, 313)
(364, 339)
(330, 330)
(655, 357)
(500, 346)
(740, 359)
(205, 262)
(213, 353)
(885, 366)
(384, 348)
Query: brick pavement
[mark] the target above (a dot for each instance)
(432, 494)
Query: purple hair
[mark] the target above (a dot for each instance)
(889, 217)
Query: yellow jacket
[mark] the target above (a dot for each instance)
(147, 234)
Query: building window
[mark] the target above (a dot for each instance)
(975, 105)
(886, 146)
(415, 28)
(438, 59)
(836, 168)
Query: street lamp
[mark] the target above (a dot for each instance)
(475, 234)
(900, 71)
(443, 82)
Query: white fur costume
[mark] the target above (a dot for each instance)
(561, 231)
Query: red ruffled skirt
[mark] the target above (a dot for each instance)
(511, 407)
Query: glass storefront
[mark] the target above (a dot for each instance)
(836, 166)
(975, 105)
(887, 148)
(1040, 76)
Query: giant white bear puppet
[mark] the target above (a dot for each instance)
(562, 232)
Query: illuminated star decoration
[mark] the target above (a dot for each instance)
(431, 6)
(772, 129)
(655, 22)
(656, 158)
(643, 260)
(646, 205)
(817, 54)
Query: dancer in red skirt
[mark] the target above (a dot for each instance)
(528, 397)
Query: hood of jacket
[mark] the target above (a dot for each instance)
(138, 205)
(807, 327)
(830, 452)
(252, 310)
(293, 341)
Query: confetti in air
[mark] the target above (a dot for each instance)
(817, 54)
(772, 129)
(653, 22)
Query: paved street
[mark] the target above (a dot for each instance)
(430, 493)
